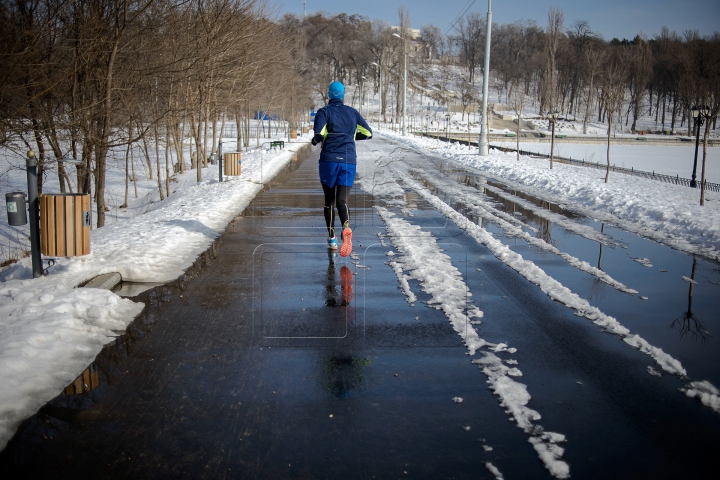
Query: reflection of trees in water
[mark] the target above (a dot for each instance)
(687, 323)
(602, 230)
(344, 373)
(545, 227)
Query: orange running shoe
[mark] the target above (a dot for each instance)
(346, 281)
(346, 247)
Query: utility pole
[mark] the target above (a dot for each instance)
(483, 143)
(304, 9)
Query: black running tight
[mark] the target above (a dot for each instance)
(336, 197)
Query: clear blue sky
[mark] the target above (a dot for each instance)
(610, 18)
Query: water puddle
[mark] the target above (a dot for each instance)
(677, 301)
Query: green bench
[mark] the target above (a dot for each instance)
(277, 144)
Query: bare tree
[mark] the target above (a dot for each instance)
(553, 36)
(517, 104)
(471, 40)
(613, 96)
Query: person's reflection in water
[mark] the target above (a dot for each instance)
(333, 298)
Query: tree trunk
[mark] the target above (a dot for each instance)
(607, 170)
(157, 162)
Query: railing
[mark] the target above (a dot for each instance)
(676, 180)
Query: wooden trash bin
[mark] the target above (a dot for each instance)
(293, 134)
(232, 164)
(65, 222)
(304, 130)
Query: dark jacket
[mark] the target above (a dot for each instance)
(338, 126)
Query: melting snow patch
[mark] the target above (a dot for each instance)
(689, 280)
(654, 372)
(705, 392)
(494, 471)
(643, 261)
(457, 399)
(487, 448)
(550, 453)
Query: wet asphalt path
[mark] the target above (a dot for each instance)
(272, 359)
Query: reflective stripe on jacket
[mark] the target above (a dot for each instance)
(338, 126)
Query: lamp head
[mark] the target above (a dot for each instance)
(695, 112)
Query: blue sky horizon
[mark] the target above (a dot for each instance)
(609, 18)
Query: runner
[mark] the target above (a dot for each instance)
(338, 126)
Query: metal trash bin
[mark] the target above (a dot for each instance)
(16, 208)
(65, 222)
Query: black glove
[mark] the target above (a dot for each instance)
(314, 142)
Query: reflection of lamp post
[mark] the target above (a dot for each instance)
(699, 115)
(688, 323)
(553, 118)
(404, 131)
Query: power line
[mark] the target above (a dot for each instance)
(462, 13)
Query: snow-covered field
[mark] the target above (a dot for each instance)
(666, 160)
(50, 331)
(669, 214)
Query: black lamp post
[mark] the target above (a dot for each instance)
(699, 115)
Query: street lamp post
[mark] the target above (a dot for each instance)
(362, 93)
(553, 118)
(447, 126)
(380, 90)
(404, 131)
(698, 114)
(483, 146)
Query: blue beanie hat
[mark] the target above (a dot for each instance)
(336, 90)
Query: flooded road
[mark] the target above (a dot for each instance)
(271, 358)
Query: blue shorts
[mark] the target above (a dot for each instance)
(337, 173)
